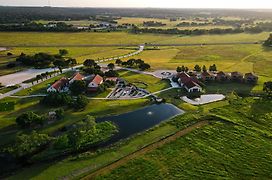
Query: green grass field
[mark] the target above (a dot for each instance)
(153, 84)
(51, 39)
(169, 24)
(236, 148)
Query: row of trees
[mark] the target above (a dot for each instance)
(197, 68)
(41, 60)
(255, 29)
(134, 63)
(33, 26)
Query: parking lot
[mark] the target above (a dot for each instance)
(125, 91)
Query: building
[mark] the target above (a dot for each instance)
(95, 83)
(236, 76)
(251, 78)
(191, 84)
(206, 76)
(221, 76)
(77, 77)
(59, 86)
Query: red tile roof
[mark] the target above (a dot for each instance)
(58, 85)
(191, 84)
(97, 79)
(78, 77)
(205, 74)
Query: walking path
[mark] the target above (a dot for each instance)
(135, 154)
(20, 77)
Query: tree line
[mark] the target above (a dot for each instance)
(255, 29)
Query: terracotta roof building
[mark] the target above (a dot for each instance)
(59, 86)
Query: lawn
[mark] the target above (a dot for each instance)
(219, 150)
(153, 84)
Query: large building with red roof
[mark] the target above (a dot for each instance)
(59, 86)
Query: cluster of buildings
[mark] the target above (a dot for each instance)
(193, 81)
(62, 85)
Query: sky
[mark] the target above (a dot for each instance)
(239, 4)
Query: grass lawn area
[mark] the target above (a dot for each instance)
(219, 150)
(228, 87)
(153, 84)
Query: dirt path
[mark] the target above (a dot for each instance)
(145, 150)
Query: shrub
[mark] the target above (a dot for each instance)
(29, 118)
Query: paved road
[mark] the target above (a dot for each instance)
(20, 77)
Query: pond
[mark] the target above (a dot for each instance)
(204, 99)
(140, 120)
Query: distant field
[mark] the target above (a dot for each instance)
(80, 53)
(169, 24)
(83, 38)
(243, 58)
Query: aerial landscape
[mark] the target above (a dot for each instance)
(135, 90)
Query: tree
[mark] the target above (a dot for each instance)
(78, 87)
(183, 68)
(62, 142)
(63, 52)
(186, 69)
(38, 77)
(81, 102)
(59, 114)
(197, 68)
(267, 87)
(204, 69)
(89, 63)
(130, 62)
(213, 68)
(179, 69)
(118, 61)
(29, 118)
(57, 99)
(111, 73)
(111, 66)
(268, 42)
(144, 66)
(27, 145)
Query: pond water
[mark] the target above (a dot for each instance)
(140, 120)
(204, 99)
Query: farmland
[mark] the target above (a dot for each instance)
(217, 150)
(226, 139)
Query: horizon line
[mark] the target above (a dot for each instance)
(104, 7)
